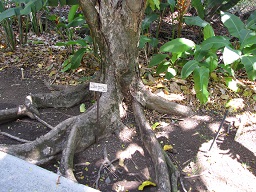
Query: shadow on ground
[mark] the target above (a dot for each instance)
(229, 166)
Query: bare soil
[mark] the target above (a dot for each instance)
(229, 166)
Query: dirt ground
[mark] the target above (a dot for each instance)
(229, 166)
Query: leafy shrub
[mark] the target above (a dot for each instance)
(200, 60)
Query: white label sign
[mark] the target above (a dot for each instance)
(100, 87)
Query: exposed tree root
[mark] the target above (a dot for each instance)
(152, 101)
(152, 145)
(77, 133)
(64, 98)
(66, 166)
(14, 113)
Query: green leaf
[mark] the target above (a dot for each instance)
(250, 50)
(72, 12)
(249, 63)
(82, 108)
(171, 72)
(188, 68)
(201, 79)
(172, 4)
(155, 125)
(153, 4)
(148, 20)
(162, 67)
(215, 43)
(230, 55)
(196, 21)
(143, 40)
(154, 42)
(211, 62)
(78, 21)
(9, 13)
(231, 84)
(76, 59)
(233, 23)
(208, 32)
(247, 38)
(32, 6)
(177, 45)
(228, 69)
(144, 184)
(251, 22)
(156, 59)
(198, 5)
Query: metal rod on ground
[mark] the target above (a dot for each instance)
(225, 115)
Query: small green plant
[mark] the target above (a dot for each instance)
(153, 14)
(74, 20)
(206, 9)
(200, 60)
(25, 8)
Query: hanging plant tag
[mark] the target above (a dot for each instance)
(100, 87)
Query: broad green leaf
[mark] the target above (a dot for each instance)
(250, 50)
(177, 45)
(154, 42)
(154, 4)
(175, 57)
(249, 63)
(201, 79)
(77, 42)
(208, 32)
(77, 57)
(211, 62)
(200, 54)
(230, 55)
(32, 6)
(247, 38)
(231, 84)
(228, 69)
(9, 13)
(78, 21)
(198, 5)
(148, 20)
(162, 67)
(82, 108)
(156, 59)
(144, 184)
(72, 12)
(171, 72)
(196, 21)
(251, 22)
(172, 4)
(233, 23)
(215, 43)
(143, 40)
(188, 68)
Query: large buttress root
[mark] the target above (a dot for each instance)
(153, 147)
(154, 102)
